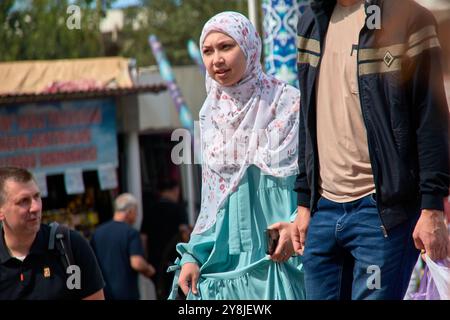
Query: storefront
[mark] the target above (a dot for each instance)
(70, 139)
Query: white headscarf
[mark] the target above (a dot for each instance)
(253, 122)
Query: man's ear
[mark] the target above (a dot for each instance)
(2, 214)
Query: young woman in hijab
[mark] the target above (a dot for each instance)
(249, 132)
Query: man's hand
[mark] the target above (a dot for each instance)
(189, 277)
(139, 264)
(431, 234)
(284, 249)
(150, 271)
(300, 228)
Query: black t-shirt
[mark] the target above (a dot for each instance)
(41, 275)
(113, 243)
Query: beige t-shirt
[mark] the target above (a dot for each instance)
(345, 169)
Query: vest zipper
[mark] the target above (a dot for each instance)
(366, 123)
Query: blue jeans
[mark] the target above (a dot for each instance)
(347, 255)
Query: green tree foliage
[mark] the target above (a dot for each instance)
(173, 22)
(36, 29)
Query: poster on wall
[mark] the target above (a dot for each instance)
(51, 138)
(107, 176)
(73, 180)
(41, 180)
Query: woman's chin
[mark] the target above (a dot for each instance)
(225, 82)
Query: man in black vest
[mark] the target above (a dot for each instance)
(373, 147)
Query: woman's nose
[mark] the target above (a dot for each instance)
(218, 59)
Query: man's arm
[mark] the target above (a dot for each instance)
(301, 222)
(301, 183)
(139, 264)
(430, 111)
(136, 254)
(431, 114)
(304, 73)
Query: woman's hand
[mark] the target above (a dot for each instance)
(284, 249)
(189, 277)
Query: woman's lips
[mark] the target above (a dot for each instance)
(222, 72)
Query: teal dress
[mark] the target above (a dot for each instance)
(231, 254)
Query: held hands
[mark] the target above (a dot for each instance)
(284, 249)
(300, 228)
(431, 235)
(189, 277)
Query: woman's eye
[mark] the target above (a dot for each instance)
(206, 52)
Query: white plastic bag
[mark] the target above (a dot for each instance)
(440, 273)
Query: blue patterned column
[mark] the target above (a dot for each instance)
(280, 33)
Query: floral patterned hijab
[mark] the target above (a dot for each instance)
(253, 122)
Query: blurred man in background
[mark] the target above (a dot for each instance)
(120, 253)
(160, 230)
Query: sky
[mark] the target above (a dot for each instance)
(117, 3)
(125, 3)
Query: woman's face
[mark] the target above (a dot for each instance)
(223, 58)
